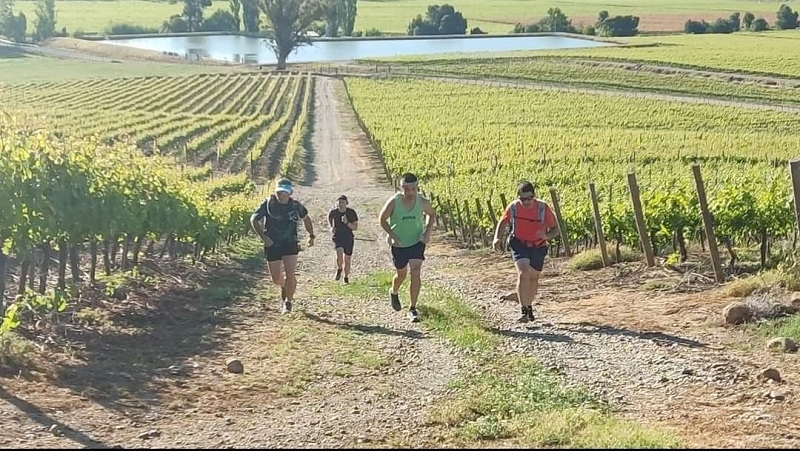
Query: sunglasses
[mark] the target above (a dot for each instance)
(526, 198)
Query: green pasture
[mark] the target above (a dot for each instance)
(494, 16)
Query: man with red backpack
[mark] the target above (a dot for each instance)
(532, 223)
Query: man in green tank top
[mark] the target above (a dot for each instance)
(407, 234)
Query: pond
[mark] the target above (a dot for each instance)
(252, 50)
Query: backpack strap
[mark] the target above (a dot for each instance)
(541, 210)
(513, 218)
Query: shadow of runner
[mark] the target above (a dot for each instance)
(42, 418)
(591, 328)
(531, 334)
(144, 355)
(367, 329)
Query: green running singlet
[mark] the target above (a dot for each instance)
(406, 224)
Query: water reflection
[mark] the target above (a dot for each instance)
(251, 50)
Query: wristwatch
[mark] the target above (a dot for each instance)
(311, 236)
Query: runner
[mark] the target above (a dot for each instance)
(343, 221)
(407, 234)
(275, 221)
(532, 224)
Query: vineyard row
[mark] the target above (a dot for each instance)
(122, 204)
(565, 141)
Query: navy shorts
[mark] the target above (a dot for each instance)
(277, 252)
(345, 242)
(401, 255)
(535, 254)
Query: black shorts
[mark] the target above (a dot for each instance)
(345, 242)
(277, 252)
(535, 254)
(401, 255)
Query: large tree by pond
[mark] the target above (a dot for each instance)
(289, 21)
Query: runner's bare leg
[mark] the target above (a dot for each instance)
(290, 265)
(339, 258)
(347, 265)
(523, 281)
(416, 280)
(533, 280)
(398, 279)
(276, 273)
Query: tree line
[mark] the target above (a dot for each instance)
(15, 26)
(786, 20)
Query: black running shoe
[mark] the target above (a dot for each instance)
(338, 274)
(527, 315)
(395, 302)
(413, 315)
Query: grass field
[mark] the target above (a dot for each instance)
(494, 16)
(757, 53)
(17, 67)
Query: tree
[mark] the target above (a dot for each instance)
(45, 20)
(332, 12)
(193, 13)
(760, 24)
(236, 8)
(722, 26)
(787, 19)
(6, 8)
(348, 19)
(696, 27)
(289, 22)
(220, 20)
(251, 16)
(20, 28)
(748, 20)
(15, 27)
(438, 20)
(175, 24)
(736, 21)
(616, 26)
(556, 21)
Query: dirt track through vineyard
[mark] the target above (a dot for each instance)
(349, 371)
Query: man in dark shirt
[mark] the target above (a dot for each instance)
(343, 221)
(275, 221)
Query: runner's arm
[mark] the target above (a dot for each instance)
(354, 223)
(330, 222)
(302, 211)
(552, 228)
(502, 224)
(258, 226)
(430, 213)
(258, 223)
(386, 211)
(309, 226)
